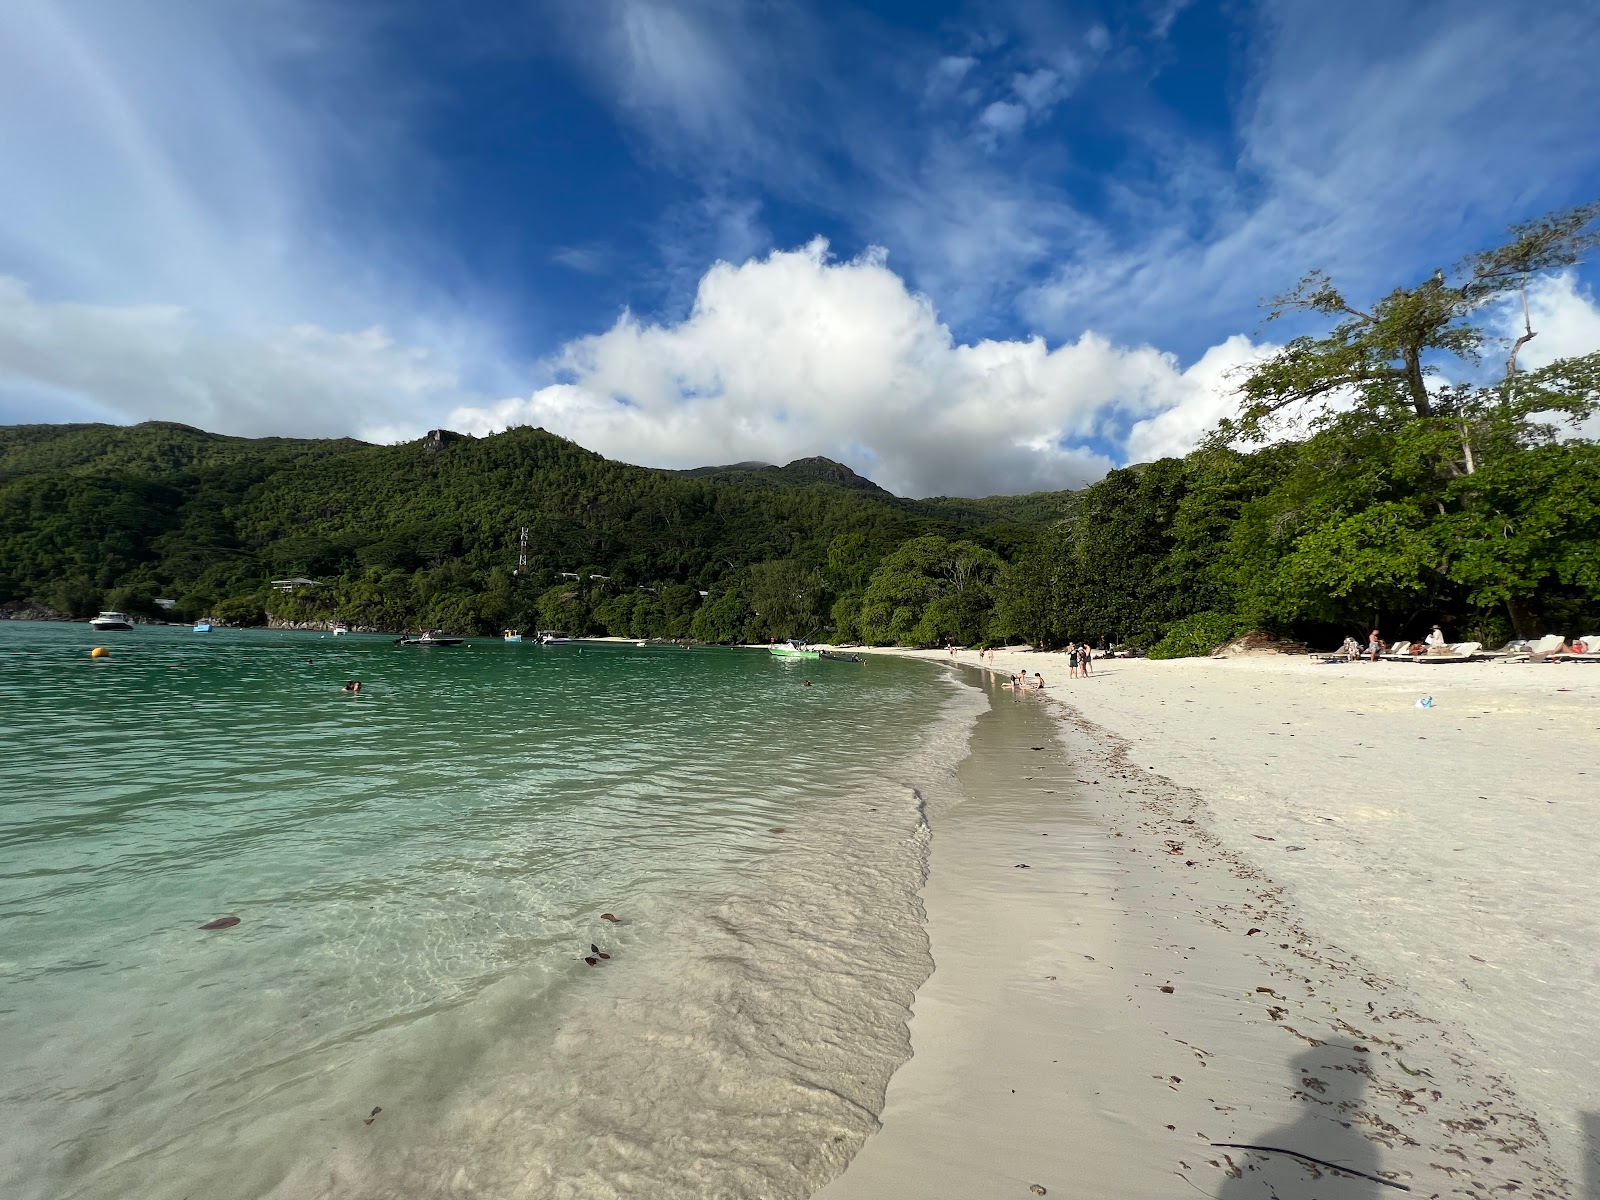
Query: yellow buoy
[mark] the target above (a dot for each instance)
(99, 652)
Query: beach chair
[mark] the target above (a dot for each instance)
(1400, 654)
(1541, 648)
(1590, 653)
(1458, 652)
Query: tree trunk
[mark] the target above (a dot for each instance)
(1525, 617)
(1417, 383)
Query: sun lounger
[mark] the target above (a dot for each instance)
(1402, 655)
(1591, 651)
(1457, 652)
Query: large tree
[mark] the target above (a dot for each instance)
(1383, 355)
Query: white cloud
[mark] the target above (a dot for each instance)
(1040, 89)
(183, 194)
(1565, 318)
(1002, 118)
(1209, 392)
(164, 362)
(796, 354)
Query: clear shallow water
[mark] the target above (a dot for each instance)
(419, 871)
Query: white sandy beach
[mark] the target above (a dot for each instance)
(1414, 1001)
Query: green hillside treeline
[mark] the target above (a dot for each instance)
(1353, 488)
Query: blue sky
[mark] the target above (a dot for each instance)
(963, 247)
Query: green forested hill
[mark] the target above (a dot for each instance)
(420, 532)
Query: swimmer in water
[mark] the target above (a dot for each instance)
(352, 686)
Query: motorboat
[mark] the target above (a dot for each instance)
(340, 629)
(110, 622)
(550, 637)
(511, 635)
(202, 626)
(427, 639)
(793, 648)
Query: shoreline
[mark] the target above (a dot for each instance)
(1406, 936)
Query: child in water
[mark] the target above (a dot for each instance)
(352, 686)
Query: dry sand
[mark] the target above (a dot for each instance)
(1416, 1002)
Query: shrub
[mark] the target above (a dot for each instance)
(1196, 635)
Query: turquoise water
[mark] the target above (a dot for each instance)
(418, 873)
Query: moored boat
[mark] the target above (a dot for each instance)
(511, 635)
(109, 622)
(339, 629)
(427, 639)
(793, 648)
(551, 637)
(202, 626)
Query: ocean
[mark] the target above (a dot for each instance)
(419, 871)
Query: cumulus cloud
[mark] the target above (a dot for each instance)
(137, 362)
(798, 354)
(1566, 320)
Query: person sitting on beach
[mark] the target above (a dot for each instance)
(1038, 681)
(1351, 649)
(352, 686)
(1435, 639)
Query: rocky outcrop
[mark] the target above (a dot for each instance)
(318, 626)
(30, 610)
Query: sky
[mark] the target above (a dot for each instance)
(964, 248)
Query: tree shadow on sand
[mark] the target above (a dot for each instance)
(1329, 1082)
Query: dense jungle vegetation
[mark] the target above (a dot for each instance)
(1356, 486)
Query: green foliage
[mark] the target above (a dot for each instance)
(929, 591)
(1197, 635)
(723, 617)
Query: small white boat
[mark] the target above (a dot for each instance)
(340, 629)
(511, 635)
(549, 637)
(108, 622)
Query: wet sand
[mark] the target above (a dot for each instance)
(1412, 1004)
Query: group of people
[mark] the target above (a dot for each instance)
(1019, 682)
(1080, 661)
(1353, 651)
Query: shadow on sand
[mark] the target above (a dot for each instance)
(1328, 1081)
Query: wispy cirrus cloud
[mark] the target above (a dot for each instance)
(188, 204)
